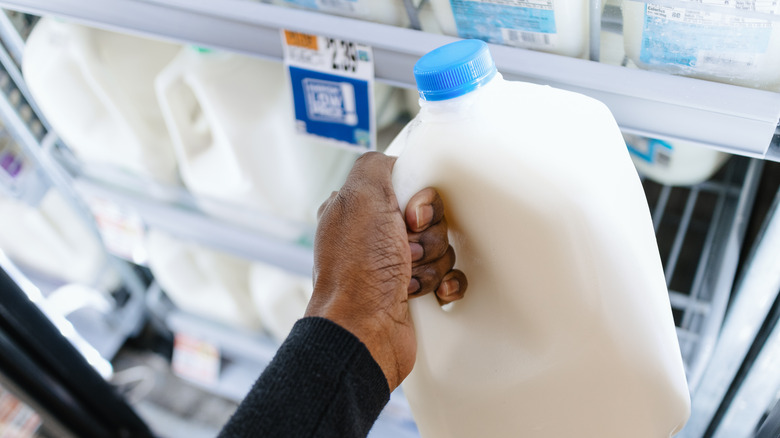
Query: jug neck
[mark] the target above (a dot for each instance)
(460, 103)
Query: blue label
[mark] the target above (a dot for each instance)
(332, 106)
(504, 23)
(654, 151)
(690, 38)
(311, 4)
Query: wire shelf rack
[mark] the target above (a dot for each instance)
(699, 230)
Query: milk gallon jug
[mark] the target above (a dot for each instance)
(674, 163)
(51, 239)
(566, 330)
(280, 297)
(559, 26)
(97, 90)
(719, 40)
(202, 281)
(231, 119)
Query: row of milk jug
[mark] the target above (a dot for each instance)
(40, 231)
(51, 241)
(220, 122)
(227, 289)
(721, 41)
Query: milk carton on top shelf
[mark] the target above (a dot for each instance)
(96, 88)
(566, 330)
(559, 27)
(732, 42)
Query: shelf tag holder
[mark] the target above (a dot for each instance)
(332, 83)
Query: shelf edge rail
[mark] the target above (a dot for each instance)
(729, 118)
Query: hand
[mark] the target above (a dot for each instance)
(367, 264)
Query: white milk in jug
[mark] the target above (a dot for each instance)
(731, 42)
(231, 119)
(96, 88)
(51, 239)
(566, 329)
(390, 12)
(202, 281)
(674, 163)
(550, 26)
(280, 297)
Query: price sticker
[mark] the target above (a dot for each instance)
(195, 359)
(333, 88)
(122, 230)
(17, 419)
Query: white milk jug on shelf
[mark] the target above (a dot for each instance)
(550, 26)
(390, 12)
(566, 329)
(280, 297)
(674, 163)
(231, 119)
(202, 281)
(716, 40)
(51, 239)
(96, 88)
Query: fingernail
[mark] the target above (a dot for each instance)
(417, 251)
(450, 287)
(414, 286)
(424, 215)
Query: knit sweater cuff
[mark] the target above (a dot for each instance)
(338, 348)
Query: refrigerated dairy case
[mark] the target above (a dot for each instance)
(159, 233)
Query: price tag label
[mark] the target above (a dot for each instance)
(333, 88)
(195, 359)
(17, 420)
(122, 230)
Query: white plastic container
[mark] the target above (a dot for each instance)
(202, 281)
(390, 12)
(280, 297)
(51, 240)
(97, 89)
(566, 329)
(674, 163)
(231, 119)
(717, 40)
(550, 26)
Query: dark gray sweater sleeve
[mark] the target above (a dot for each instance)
(322, 382)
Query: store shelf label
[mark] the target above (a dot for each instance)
(195, 359)
(332, 83)
(122, 230)
(17, 420)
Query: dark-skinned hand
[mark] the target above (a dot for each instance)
(370, 258)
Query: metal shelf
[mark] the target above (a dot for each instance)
(733, 119)
(756, 292)
(182, 219)
(699, 230)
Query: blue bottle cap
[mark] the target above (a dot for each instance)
(454, 69)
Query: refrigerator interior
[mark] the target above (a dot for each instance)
(185, 372)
